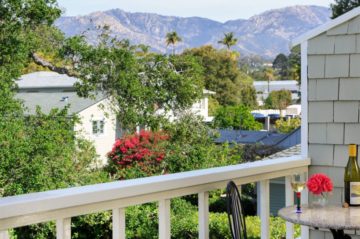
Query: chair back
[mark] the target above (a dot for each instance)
(235, 212)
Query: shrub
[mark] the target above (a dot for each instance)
(287, 125)
(138, 155)
(235, 117)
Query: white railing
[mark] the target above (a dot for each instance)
(61, 205)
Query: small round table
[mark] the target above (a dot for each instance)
(335, 218)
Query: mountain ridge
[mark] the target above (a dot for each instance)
(266, 34)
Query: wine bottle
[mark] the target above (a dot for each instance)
(352, 178)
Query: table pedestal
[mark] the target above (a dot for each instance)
(339, 234)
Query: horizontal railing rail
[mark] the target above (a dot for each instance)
(62, 204)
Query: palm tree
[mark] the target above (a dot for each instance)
(172, 38)
(229, 40)
(269, 75)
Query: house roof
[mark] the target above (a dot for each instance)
(249, 137)
(268, 138)
(45, 79)
(48, 101)
(327, 26)
(276, 85)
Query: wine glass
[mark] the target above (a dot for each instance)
(298, 182)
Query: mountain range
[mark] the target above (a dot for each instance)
(266, 34)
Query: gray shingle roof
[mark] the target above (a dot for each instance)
(48, 101)
(45, 79)
(282, 141)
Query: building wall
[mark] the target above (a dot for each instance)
(334, 99)
(102, 142)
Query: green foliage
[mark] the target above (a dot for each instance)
(280, 64)
(235, 117)
(295, 63)
(43, 148)
(229, 40)
(222, 75)
(191, 147)
(18, 20)
(278, 99)
(342, 6)
(219, 227)
(172, 38)
(287, 125)
(139, 86)
(213, 106)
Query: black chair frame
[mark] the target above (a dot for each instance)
(235, 212)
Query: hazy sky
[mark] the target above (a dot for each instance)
(220, 10)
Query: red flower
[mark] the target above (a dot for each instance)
(319, 183)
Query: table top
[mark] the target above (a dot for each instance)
(334, 217)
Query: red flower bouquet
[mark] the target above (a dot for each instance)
(319, 184)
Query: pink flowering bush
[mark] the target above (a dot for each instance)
(139, 154)
(319, 183)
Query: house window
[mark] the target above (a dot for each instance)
(98, 126)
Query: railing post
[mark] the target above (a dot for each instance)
(4, 235)
(304, 200)
(203, 202)
(63, 228)
(118, 223)
(164, 219)
(289, 200)
(265, 209)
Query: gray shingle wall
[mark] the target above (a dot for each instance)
(334, 102)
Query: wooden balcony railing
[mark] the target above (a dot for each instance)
(61, 205)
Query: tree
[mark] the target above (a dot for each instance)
(278, 99)
(222, 75)
(138, 86)
(342, 6)
(281, 64)
(269, 75)
(295, 63)
(235, 117)
(172, 38)
(229, 40)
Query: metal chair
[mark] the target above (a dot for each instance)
(235, 212)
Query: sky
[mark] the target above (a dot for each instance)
(220, 10)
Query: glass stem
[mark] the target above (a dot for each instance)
(298, 202)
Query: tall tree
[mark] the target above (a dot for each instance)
(295, 63)
(269, 75)
(281, 64)
(222, 75)
(229, 40)
(138, 86)
(172, 38)
(342, 6)
(278, 100)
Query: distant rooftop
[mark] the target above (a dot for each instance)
(50, 100)
(260, 137)
(45, 79)
(291, 85)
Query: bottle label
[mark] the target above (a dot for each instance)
(355, 193)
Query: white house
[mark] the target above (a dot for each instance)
(51, 90)
(98, 123)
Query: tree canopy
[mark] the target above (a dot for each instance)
(229, 40)
(222, 75)
(172, 38)
(235, 117)
(281, 64)
(342, 6)
(278, 99)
